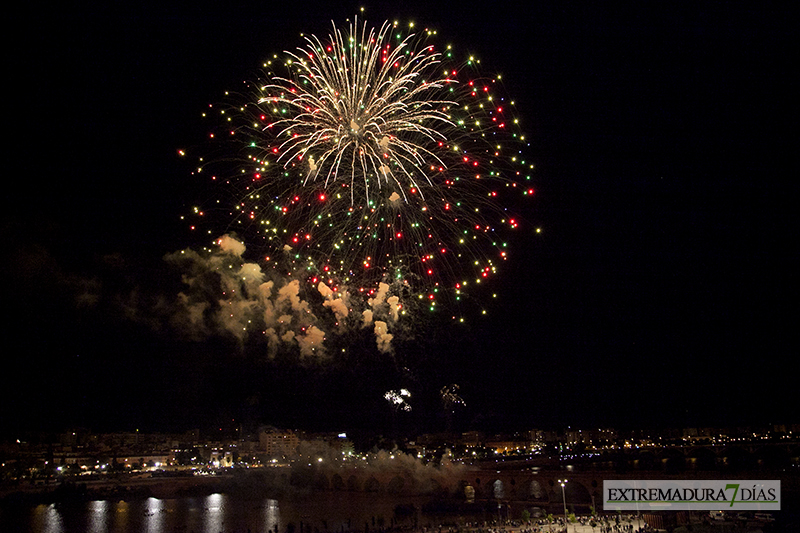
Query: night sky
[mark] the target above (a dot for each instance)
(660, 291)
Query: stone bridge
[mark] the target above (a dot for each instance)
(538, 489)
(520, 481)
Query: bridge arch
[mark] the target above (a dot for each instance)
(738, 457)
(536, 492)
(396, 484)
(353, 484)
(321, 482)
(498, 489)
(578, 496)
(372, 485)
(702, 458)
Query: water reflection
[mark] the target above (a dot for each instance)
(47, 519)
(153, 517)
(271, 515)
(214, 515)
(121, 516)
(98, 516)
(208, 514)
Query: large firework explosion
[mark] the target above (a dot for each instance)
(373, 168)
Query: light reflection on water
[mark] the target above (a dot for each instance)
(214, 513)
(209, 514)
(271, 515)
(46, 519)
(153, 516)
(98, 516)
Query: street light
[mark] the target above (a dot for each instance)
(563, 482)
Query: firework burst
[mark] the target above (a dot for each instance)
(371, 161)
(398, 399)
(362, 114)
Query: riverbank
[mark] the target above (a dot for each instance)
(126, 487)
(437, 506)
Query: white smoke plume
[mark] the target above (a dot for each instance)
(394, 307)
(224, 294)
(311, 342)
(231, 246)
(385, 308)
(409, 473)
(367, 318)
(383, 337)
(337, 305)
(377, 300)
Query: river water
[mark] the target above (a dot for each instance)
(332, 512)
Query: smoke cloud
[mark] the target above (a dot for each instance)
(225, 295)
(230, 245)
(383, 337)
(417, 476)
(386, 309)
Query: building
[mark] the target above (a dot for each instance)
(277, 443)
